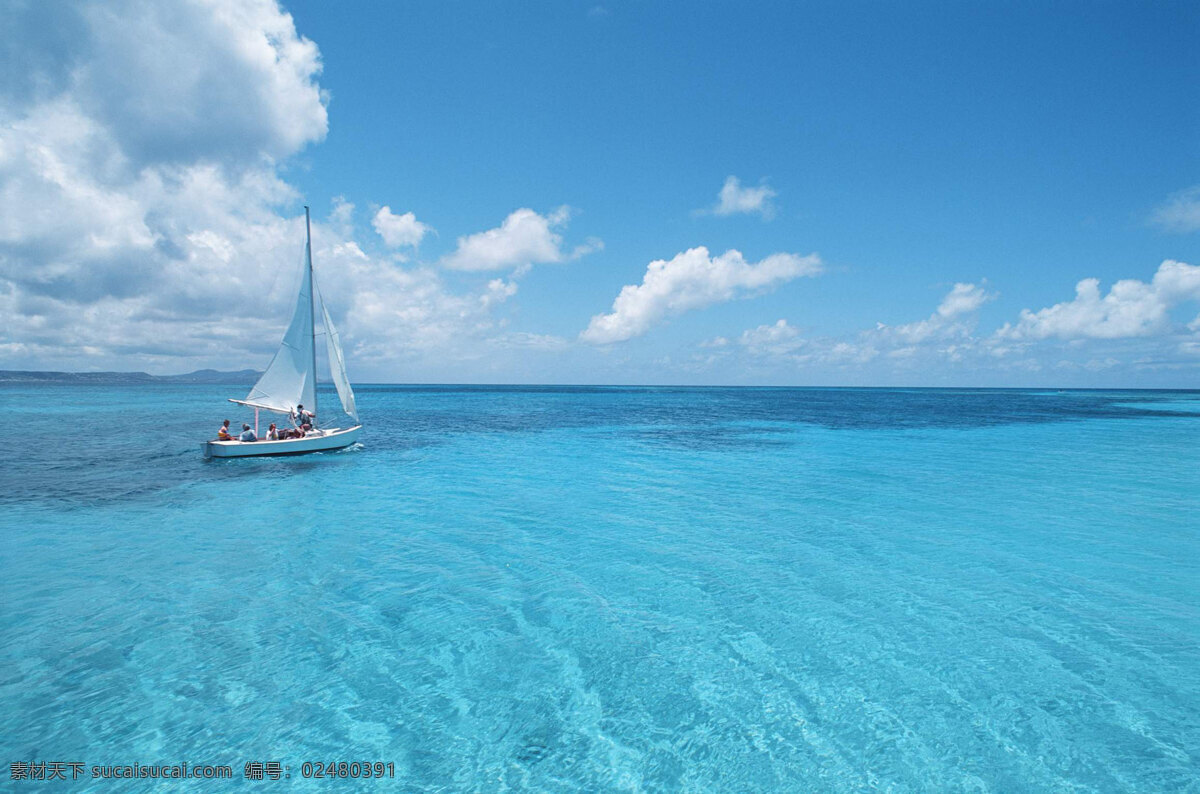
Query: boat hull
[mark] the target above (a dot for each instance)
(328, 440)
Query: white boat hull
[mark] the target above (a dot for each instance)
(320, 441)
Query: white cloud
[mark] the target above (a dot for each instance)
(145, 223)
(735, 199)
(946, 322)
(692, 280)
(215, 80)
(963, 299)
(498, 291)
(1125, 337)
(771, 340)
(944, 335)
(1181, 211)
(150, 152)
(1131, 308)
(341, 218)
(399, 230)
(852, 353)
(588, 246)
(524, 238)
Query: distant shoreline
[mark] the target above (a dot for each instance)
(245, 376)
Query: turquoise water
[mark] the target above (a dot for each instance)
(559, 589)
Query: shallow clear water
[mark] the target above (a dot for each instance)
(557, 589)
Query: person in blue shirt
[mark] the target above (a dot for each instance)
(247, 433)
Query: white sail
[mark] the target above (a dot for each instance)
(290, 379)
(337, 362)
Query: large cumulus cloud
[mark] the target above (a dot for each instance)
(145, 220)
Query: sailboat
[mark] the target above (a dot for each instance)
(290, 380)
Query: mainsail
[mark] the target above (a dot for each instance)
(291, 377)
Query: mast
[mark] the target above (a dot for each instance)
(312, 307)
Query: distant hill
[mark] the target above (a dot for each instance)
(208, 376)
(246, 376)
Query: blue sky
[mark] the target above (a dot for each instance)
(919, 193)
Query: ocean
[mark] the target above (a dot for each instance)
(607, 589)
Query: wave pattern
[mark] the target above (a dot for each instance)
(558, 589)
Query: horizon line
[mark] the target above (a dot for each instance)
(621, 385)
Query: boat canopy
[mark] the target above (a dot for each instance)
(260, 405)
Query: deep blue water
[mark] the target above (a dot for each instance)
(560, 589)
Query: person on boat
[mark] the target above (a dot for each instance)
(223, 433)
(305, 420)
(272, 433)
(247, 433)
